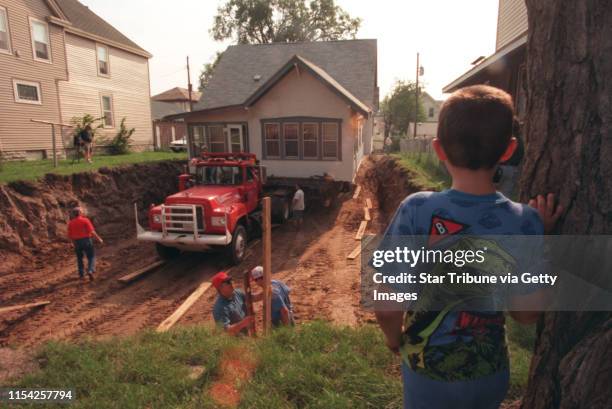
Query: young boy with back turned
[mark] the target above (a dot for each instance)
(463, 361)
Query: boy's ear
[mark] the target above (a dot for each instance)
(439, 149)
(509, 150)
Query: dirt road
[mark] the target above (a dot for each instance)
(312, 262)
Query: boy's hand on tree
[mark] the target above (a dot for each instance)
(547, 211)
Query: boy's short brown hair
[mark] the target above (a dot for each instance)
(475, 126)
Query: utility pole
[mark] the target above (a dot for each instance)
(416, 98)
(189, 87)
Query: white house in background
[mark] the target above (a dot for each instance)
(58, 60)
(429, 127)
(305, 109)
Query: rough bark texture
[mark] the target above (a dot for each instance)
(569, 152)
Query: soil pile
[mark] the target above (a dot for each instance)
(34, 215)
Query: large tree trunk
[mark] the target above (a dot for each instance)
(569, 152)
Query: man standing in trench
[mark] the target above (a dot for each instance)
(230, 310)
(298, 206)
(81, 232)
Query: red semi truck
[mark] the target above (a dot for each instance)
(218, 205)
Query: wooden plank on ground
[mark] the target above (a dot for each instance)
(361, 231)
(180, 311)
(24, 306)
(357, 251)
(133, 276)
(366, 214)
(369, 203)
(357, 191)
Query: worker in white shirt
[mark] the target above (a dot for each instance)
(298, 206)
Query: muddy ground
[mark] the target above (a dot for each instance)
(38, 263)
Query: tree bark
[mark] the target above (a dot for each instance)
(569, 152)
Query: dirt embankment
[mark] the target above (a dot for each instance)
(33, 215)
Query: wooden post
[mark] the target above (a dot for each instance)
(267, 263)
(54, 148)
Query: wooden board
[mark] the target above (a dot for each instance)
(133, 276)
(357, 191)
(361, 231)
(366, 214)
(357, 251)
(180, 311)
(23, 306)
(369, 203)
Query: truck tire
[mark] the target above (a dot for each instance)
(280, 210)
(166, 253)
(237, 248)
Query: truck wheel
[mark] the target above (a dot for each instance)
(237, 248)
(165, 252)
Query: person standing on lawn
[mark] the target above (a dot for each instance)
(81, 232)
(86, 137)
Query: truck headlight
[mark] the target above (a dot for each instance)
(157, 218)
(218, 221)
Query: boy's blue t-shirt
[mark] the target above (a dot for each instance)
(464, 345)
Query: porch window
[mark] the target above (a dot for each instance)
(102, 53)
(310, 137)
(217, 138)
(330, 140)
(41, 46)
(272, 138)
(107, 111)
(5, 39)
(290, 133)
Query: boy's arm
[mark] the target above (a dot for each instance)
(390, 323)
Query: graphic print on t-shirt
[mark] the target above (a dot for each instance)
(441, 227)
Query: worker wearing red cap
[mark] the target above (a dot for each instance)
(230, 310)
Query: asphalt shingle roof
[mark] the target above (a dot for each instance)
(351, 63)
(84, 19)
(160, 109)
(177, 94)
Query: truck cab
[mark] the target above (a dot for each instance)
(218, 205)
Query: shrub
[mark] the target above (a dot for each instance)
(120, 144)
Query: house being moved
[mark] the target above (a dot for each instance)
(305, 109)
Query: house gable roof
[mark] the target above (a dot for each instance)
(82, 20)
(351, 65)
(317, 72)
(177, 94)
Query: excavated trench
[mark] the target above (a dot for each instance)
(37, 262)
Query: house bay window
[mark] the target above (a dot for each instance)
(330, 140)
(291, 140)
(310, 140)
(217, 138)
(301, 138)
(272, 140)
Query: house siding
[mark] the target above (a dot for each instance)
(128, 84)
(511, 21)
(17, 133)
(298, 94)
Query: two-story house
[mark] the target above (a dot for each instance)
(504, 69)
(59, 60)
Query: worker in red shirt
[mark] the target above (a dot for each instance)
(81, 231)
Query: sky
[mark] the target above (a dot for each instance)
(448, 34)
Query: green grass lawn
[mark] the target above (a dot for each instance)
(32, 170)
(425, 170)
(314, 365)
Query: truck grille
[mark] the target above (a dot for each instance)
(180, 218)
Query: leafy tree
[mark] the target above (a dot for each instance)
(270, 21)
(207, 71)
(398, 108)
